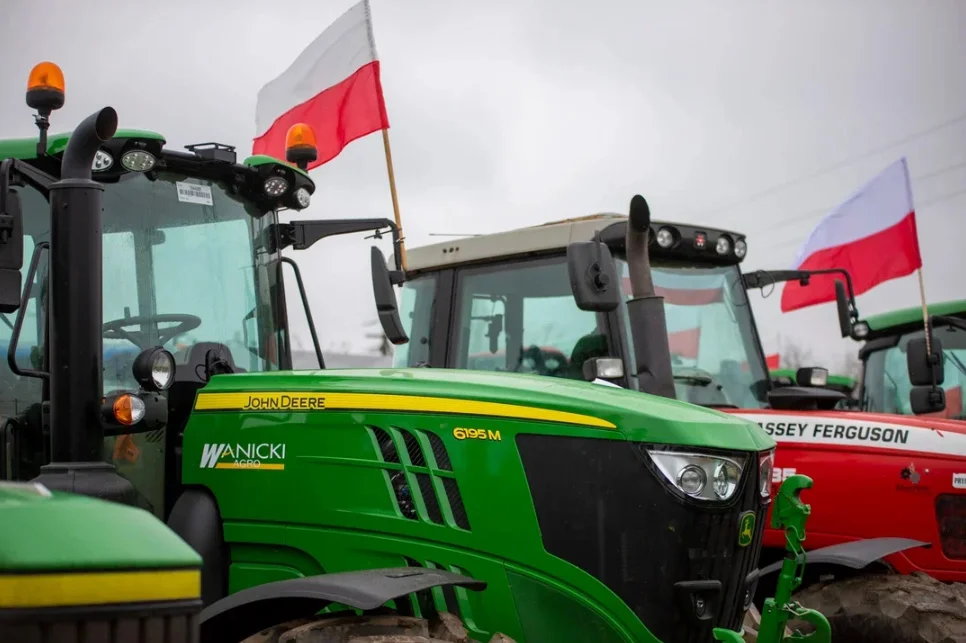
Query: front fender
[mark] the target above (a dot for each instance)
(252, 610)
(856, 554)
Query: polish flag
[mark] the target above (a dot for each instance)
(872, 236)
(333, 86)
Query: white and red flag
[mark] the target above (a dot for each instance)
(872, 235)
(333, 86)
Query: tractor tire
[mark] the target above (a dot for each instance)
(371, 629)
(889, 608)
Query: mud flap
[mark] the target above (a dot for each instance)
(856, 554)
(252, 610)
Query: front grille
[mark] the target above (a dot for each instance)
(602, 508)
(418, 467)
(951, 516)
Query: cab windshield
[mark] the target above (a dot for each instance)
(181, 269)
(715, 355)
(885, 379)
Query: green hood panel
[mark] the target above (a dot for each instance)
(636, 416)
(67, 532)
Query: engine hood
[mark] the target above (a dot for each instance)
(614, 412)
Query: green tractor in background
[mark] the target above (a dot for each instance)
(893, 341)
(148, 366)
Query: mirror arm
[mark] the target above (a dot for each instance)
(16, 172)
(305, 306)
(302, 235)
(949, 321)
(21, 313)
(762, 278)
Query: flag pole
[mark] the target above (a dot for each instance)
(395, 198)
(925, 311)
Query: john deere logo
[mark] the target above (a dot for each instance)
(746, 529)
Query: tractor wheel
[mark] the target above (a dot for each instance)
(889, 608)
(371, 629)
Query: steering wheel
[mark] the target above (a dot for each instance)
(115, 329)
(540, 358)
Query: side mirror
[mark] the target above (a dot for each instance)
(811, 376)
(593, 276)
(927, 399)
(925, 369)
(386, 306)
(11, 252)
(603, 368)
(845, 313)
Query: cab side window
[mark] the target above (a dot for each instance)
(522, 317)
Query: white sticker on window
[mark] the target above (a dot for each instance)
(959, 481)
(194, 193)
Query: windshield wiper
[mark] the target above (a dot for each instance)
(694, 378)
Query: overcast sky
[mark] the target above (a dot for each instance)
(752, 115)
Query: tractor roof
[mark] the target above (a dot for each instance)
(537, 239)
(25, 149)
(896, 321)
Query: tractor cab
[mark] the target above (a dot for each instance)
(192, 286)
(893, 342)
(514, 310)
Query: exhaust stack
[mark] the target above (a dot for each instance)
(75, 320)
(646, 310)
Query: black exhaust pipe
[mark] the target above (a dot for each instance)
(646, 310)
(75, 320)
(84, 142)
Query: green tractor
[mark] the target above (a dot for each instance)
(894, 342)
(172, 480)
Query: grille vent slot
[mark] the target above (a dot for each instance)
(386, 448)
(429, 498)
(416, 456)
(439, 452)
(456, 503)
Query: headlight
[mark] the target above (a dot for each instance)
(303, 197)
(700, 476)
(275, 186)
(138, 161)
(102, 161)
(154, 369)
(766, 465)
(860, 330)
(725, 482)
(665, 238)
(741, 248)
(723, 245)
